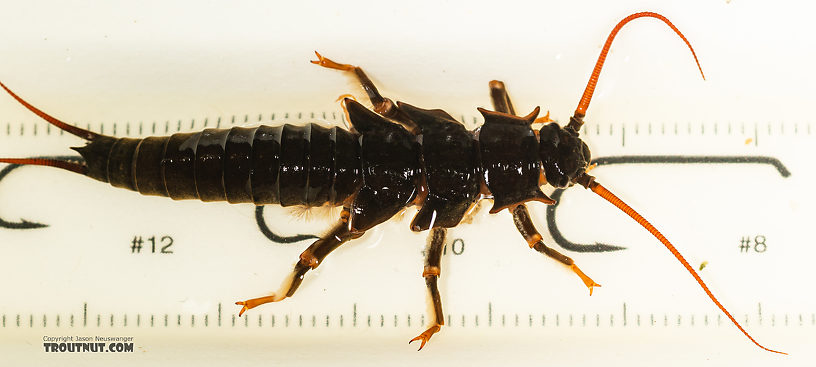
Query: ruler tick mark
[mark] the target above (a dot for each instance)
(490, 314)
(623, 135)
(624, 314)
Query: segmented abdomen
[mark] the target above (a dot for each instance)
(288, 165)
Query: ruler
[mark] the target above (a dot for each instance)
(725, 178)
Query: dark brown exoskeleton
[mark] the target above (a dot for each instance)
(395, 156)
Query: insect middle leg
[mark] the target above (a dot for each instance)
(382, 105)
(431, 273)
(521, 217)
(309, 259)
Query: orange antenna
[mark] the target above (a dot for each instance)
(610, 197)
(580, 112)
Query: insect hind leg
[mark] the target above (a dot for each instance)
(309, 259)
(382, 105)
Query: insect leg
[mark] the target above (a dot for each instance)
(500, 98)
(382, 105)
(431, 274)
(502, 103)
(309, 259)
(521, 217)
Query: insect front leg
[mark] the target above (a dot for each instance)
(382, 105)
(431, 273)
(521, 217)
(311, 258)
(500, 98)
(502, 103)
